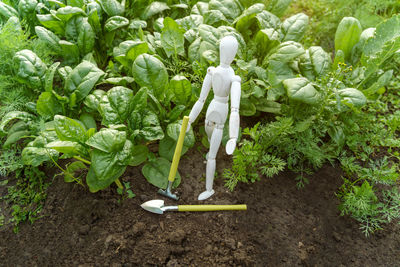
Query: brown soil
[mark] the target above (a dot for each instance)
(283, 226)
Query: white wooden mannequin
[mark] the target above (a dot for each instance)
(223, 81)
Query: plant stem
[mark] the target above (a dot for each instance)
(118, 183)
(83, 160)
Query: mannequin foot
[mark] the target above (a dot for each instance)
(206, 194)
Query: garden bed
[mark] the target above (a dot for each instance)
(283, 226)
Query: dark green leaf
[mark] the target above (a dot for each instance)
(75, 166)
(15, 137)
(66, 147)
(139, 155)
(156, 172)
(88, 121)
(139, 101)
(115, 106)
(108, 140)
(86, 37)
(49, 38)
(52, 22)
(300, 89)
(153, 9)
(172, 39)
(15, 115)
(112, 7)
(70, 51)
(347, 35)
(167, 148)
(295, 27)
(82, 79)
(31, 67)
(150, 72)
(92, 101)
(68, 129)
(49, 77)
(47, 105)
(231, 9)
(115, 23)
(173, 130)
(66, 13)
(7, 11)
(181, 88)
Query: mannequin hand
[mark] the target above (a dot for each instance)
(188, 127)
(230, 146)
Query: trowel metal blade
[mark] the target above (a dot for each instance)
(154, 206)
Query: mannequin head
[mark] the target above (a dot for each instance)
(227, 49)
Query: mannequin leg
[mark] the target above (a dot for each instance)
(215, 142)
(209, 128)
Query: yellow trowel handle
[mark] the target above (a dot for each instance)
(178, 150)
(211, 207)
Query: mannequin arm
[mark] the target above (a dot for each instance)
(205, 89)
(234, 120)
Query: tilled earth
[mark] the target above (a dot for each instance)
(283, 226)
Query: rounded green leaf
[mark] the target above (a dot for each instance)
(92, 101)
(15, 137)
(15, 115)
(31, 67)
(320, 60)
(247, 108)
(172, 39)
(173, 130)
(88, 121)
(65, 13)
(49, 38)
(148, 71)
(66, 147)
(153, 9)
(68, 129)
(82, 79)
(86, 37)
(112, 7)
(105, 168)
(47, 105)
(35, 156)
(156, 172)
(115, 22)
(136, 49)
(167, 147)
(295, 27)
(107, 140)
(115, 106)
(347, 35)
(190, 22)
(7, 11)
(287, 51)
(231, 9)
(182, 89)
(353, 97)
(245, 20)
(266, 40)
(267, 20)
(137, 24)
(52, 23)
(139, 155)
(300, 89)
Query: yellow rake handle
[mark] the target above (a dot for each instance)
(211, 207)
(178, 150)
